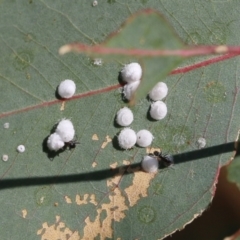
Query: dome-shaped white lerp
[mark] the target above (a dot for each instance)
(55, 142)
(21, 148)
(150, 164)
(127, 138)
(159, 91)
(158, 110)
(131, 72)
(65, 130)
(124, 117)
(66, 88)
(144, 138)
(129, 89)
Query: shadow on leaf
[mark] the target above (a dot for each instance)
(108, 173)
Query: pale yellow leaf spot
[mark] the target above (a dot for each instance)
(114, 211)
(93, 199)
(113, 165)
(62, 106)
(126, 162)
(57, 231)
(94, 164)
(152, 150)
(92, 229)
(68, 199)
(64, 49)
(80, 201)
(24, 213)
(139, 187)
(105, 143)
(95, 137)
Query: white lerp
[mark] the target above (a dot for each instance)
(55, 142)
(131, 72)
(65, 130)
(158, 110)
(150, 164)
(144, 138)
(4, 157)
(21, 148)
(201, 142)
(124, 117)
(66, 88)
(129, 89)
(127, 138)
(159, 91)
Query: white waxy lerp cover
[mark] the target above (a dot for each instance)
(159, 91)
(129, 89)
(21, 148)
(66, 88)
(65, 130)
(55, 142)
(158, 110)
(144, 138)
(124, 117)
(127, 138)
(150, 164)
(131, 72)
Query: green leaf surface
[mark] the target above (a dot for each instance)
(201, 103)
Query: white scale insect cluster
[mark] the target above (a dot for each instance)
(128, 138)
(64, 133)
(131, 74)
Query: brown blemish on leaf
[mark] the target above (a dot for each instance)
(210, 84)
(95, 137)
(94, 164)
(62, 106)
(68, 199)
(114, 211)
(57, 231)
(139, 187)
(56, 204)
(24, 213)
(108, 140)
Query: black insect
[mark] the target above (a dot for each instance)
(165, 159)
(72, 144)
